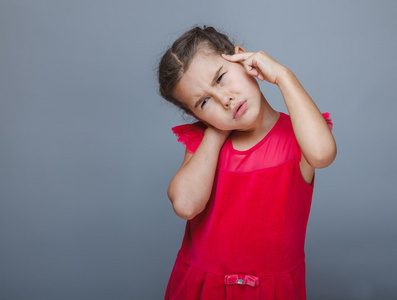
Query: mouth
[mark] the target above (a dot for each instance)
(239, 109)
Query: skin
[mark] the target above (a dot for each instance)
(212, 88)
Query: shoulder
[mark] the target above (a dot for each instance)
(283, 138)
(285, 131)
(283, 128)
(285, 123)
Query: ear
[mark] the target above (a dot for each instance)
(238, 49)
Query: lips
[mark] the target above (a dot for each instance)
(239, 109)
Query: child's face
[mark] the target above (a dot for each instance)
(220, 93)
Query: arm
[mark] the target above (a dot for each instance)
(190, 188)
(311, 130)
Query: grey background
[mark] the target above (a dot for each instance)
(86, 151)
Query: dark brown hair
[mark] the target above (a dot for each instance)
(176, 60)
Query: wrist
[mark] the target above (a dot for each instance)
(215, 136)
(284, 76)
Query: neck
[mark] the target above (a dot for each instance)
(268, 117)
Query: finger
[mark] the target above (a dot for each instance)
(237, 57)
(250, 68)
(254, 72)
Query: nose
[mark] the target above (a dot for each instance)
(225, 99)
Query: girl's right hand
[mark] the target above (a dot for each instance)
(220, 136)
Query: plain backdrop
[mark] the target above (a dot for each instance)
(86, 150)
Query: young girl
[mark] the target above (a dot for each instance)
(246, 182)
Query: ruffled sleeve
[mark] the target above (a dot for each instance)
(327, 117)
(190, 135)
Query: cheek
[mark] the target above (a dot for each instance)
(240, 81)
(249, 86)
(211, 118)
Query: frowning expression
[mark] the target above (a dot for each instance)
(220, 92)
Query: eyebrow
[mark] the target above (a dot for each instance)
(214, 79)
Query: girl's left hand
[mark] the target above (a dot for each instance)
(259, 64)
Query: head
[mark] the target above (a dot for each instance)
(176, 60)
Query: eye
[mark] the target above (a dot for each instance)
(220, 78)
(204, 102)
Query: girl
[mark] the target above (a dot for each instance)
(246, 182)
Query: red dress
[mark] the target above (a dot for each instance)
(248, 243)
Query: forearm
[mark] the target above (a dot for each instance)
(311, 130)
(190, 189)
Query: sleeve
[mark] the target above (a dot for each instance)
(190, 135)
(327, 117)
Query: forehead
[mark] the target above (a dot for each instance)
(202, 68)
(203, 59)
(198, 77)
